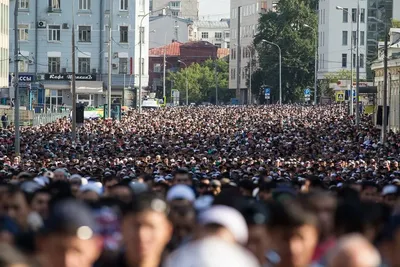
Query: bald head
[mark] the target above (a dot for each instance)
(354, 251)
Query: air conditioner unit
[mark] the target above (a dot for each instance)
(94, 70)
(65, 26)
(115, 66)
(41, 24)
(116, 55)
(64, 70)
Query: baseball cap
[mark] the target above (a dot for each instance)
(71, 217)
(228, 218)
(181, 192)
(389, 190)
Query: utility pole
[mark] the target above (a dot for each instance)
(352, 72)
(238, 56)
(216, 83)
(385, 87)
(358, 66)
(109, 62)
(164, 76)
(16, 84)
(251, 76)
(73, 80)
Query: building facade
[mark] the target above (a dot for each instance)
(393, 79)
(188, 9)
(243, 27)
(337, 29)
(46, 50)
(166, 29)
(215, 32)
(4, 43)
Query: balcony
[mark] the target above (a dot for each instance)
(53, 10)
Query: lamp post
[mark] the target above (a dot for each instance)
(141, 60)
(187, 88)
(315, 63)
(351, 65)
(280, 69)
(17, 143)
(250, 75)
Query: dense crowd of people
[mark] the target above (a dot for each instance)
(202, 187)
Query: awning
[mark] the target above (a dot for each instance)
(86, 87)
(56, 86)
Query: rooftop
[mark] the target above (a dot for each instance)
(223, 52)
(171, 49)
(211, 24)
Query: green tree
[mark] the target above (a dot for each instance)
(286, 27)
(395, 23)
(201, 80)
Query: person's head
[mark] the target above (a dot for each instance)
(40, 202)
(256, 216)
(182, 176)
(146, 229)
(265, 190)
(90, 192)
(216, 187)
(69, 237)
(122, 192)
(323, 204)
(109, 182)
(293, 231)
(18, 207)
(60, 175)
(354, 251)
(223, 222)
(389, 243)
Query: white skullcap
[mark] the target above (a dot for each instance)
(181, 192)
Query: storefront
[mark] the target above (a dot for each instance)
(59, 90)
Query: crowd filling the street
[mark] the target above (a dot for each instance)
(273, 185)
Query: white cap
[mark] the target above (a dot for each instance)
(203, 202)
(389, 189)
(75, 176)
(227, 217)
(181, 191)
(91, 187)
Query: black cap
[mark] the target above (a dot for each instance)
(71, 217)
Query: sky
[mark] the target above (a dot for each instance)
(214, 9)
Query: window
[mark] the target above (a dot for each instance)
(54, 64)
(204, 35)
(84, 4)
(345, 15)
(362, 38)
(354, 15)
(362, 15)
(54, 33)
(218, 35)
(142, 63)
(123, 65)
(174, 13)
(53, 97)
(361, 60)
(84, 65)
(123, 5)
(354, 60)
(228, 45)
(23, 30)
(22, 65)
(218, 45)
(344, 60)
(157, 68)
(344, 37)
(142, 5)
(175, 4)
(84, 34)
(23, 4)
(54, 4)
(227, 34)
(354, 37)
(123, 34)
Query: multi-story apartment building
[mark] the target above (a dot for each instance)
(215, 32)
(337, 30)
(249, 12)
(46, 49)
(166, 29)
(188, 9)
(4, 54)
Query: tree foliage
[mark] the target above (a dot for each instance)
(395, 23)
(286, 28)
(201, 80)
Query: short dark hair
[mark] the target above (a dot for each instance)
(181, 171)
(147, 201)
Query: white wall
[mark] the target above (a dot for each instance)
(4, 42)
(330, 30)
(145, 46)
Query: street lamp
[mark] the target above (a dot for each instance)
(357, 62)
(351, 65)
(250, 75)
(280, 68)
(187, 88)
(141, 60)
(315, 62)
(385, 82)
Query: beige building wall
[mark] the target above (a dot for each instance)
(4, 43)
(188, 9)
